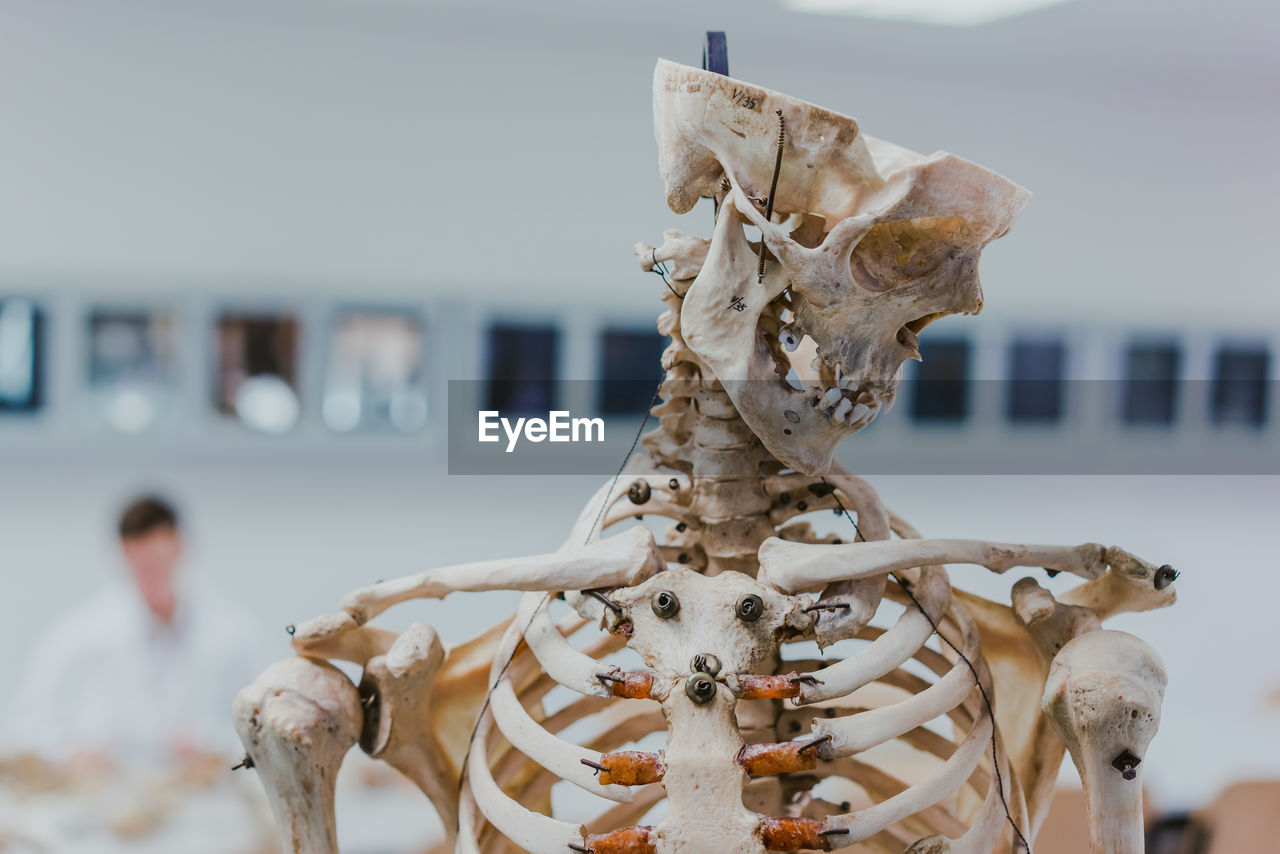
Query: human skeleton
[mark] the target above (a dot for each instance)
(890, 746)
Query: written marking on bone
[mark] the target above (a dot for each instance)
(737, 304)
(744, 98)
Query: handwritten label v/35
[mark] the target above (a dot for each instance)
(745, 98)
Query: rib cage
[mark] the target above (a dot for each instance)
(964, 805)
(967, 799)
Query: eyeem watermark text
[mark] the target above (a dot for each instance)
(558, 426)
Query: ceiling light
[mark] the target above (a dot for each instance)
(955, 13)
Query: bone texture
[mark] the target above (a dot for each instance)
(297, 721)
(1103, 696)
(670, 678)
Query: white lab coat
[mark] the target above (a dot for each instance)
(107, 676)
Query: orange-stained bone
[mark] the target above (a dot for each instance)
(633, 686)
(781, 687)
(762, 759)
(632, 768)
(787, 833)
(626, 840)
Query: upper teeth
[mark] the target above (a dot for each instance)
(839, 403)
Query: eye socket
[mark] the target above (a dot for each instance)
(665, 604)
(750, 608)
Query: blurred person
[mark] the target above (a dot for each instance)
(144, 672)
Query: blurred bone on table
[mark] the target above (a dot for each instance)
(141, 812)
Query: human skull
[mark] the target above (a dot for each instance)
(869, 243)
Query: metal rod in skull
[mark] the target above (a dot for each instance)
(938, 730)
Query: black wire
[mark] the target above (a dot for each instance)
(639, 432)
(660, 268)
(995, 764)
(466, 757)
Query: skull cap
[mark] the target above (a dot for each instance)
(707, 124)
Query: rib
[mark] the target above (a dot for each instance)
(562, 758)
(888, 651)
(856, 733)
(932, 789)
(531, 830)
(559, 659)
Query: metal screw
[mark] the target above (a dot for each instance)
(750, 607)
(609, 603)
(639, 491)
(1165, 576)
(705, 662)
(827, 606)
(773, 189)
(665, 604)
(1127, 764)
(701, 688)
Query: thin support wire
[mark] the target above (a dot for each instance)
(995, 764)
(462, 773)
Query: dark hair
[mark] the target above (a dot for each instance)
(146, 514)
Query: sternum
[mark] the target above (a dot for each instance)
(704, 781)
